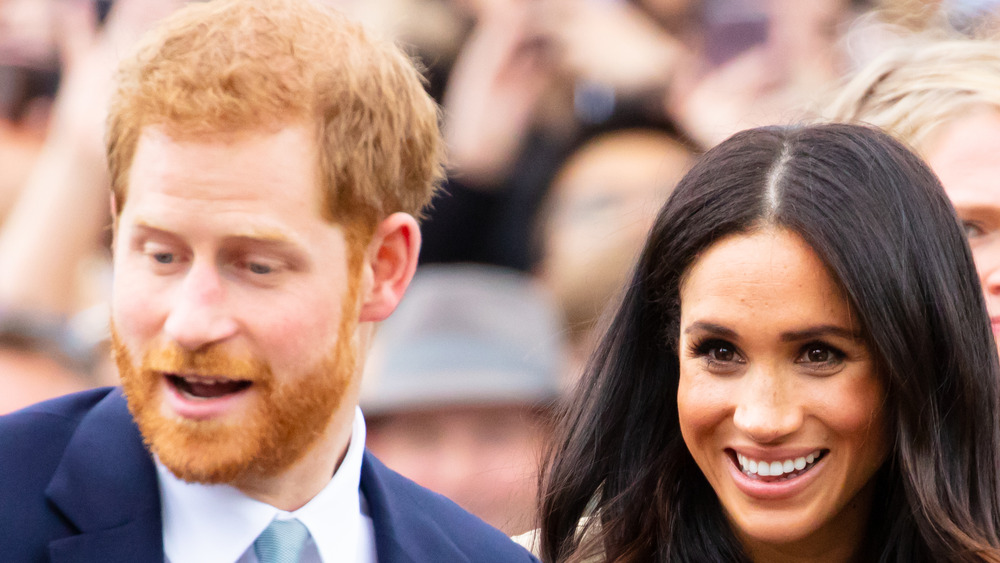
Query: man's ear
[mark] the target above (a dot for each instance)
(391, 261)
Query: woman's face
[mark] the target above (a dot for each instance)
(779, 400)
(964, 156)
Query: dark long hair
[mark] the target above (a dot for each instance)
(878, 218)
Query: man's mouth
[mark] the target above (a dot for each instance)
(777, 470)
(200, 388)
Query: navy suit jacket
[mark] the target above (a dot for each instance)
(78, 485)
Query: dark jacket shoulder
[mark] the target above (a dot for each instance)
(415, 524)
(33, 439)
(32, 444)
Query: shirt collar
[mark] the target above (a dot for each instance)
(211, 523)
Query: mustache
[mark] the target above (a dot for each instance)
(208, 362)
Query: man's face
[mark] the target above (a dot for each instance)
(483, 457)
(234, 308)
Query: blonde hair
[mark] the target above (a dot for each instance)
(911, 90)
(234, 66)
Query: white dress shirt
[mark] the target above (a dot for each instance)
(218, 523)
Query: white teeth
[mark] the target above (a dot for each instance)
(776, 468)
(203, 381)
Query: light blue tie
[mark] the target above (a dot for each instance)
(281, 542)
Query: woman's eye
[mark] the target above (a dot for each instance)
(164, 257)
(718, 352)
(973, 229)
(820, 354)
(719, 356)
(722, 353)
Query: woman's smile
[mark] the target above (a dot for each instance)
(771, 471)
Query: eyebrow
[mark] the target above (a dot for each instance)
(820, 331)
(249, 235)
(703, 326)
(976, 208)
(790, 336)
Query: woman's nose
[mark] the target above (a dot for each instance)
(766, 408)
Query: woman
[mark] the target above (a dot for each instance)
(801, 369)
(943, 98)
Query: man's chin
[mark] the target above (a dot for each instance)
(201, 451)
(212, 444)
(262, 438)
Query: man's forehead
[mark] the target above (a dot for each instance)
(280, 164)
(168, 132)
(205, 172)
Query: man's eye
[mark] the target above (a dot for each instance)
(258, 268)
(164, 257)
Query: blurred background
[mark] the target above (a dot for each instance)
(568, 122)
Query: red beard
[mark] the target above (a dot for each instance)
(286, 420)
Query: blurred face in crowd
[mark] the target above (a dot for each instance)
(28, 74)
(603, 203)
(484, 457)
(779, 401)
(233, 304)
(30, 376)
(963, 154)
(27, 33)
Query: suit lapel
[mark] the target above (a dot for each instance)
(373, 487)
(106, 486)
(403, 532)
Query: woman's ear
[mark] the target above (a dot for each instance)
(391, 260)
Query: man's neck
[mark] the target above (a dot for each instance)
(297, 485)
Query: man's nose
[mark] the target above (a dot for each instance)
(199, 314)
(766, 408)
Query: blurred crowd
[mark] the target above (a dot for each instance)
(567, 123)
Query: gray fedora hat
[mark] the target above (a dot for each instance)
(466, 334)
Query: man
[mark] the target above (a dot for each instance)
(459, 388)
(267, 161)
